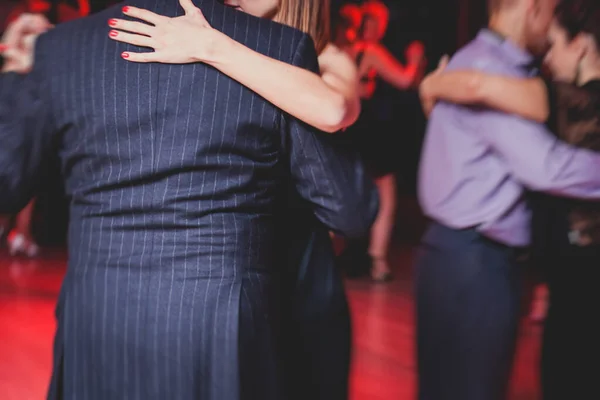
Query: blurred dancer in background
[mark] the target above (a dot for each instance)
(375, 140)
(20, 239)
(477, 165)
(566, 232)
(68, 10)
(347, 27)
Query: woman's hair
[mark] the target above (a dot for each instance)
(580, 16)
(347, 24)
(351, 15)
(375, 9)
(309, 16)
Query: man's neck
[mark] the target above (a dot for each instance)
(507, 26)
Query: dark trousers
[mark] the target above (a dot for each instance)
(571, 348)
(468, 292)
(316, 326)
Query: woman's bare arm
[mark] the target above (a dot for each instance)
(389, 68)
(525, 97)
(339, 71)
(327, 103)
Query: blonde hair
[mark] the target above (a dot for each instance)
(309, 16)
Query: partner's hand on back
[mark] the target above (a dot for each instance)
(168, 37)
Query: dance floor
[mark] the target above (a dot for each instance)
(383, 367)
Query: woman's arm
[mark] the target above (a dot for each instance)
(389, 68)
(339, 71)
(525, 97)
(329, 102)
(326, 102)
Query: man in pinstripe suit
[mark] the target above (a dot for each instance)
(176, 174)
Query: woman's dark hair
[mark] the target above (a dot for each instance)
(580, 16)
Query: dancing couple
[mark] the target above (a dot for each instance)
(202, 191)
(497, 132)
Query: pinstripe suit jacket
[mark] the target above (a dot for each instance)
(175, 175)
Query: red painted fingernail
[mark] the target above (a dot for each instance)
(125, 55)
(112, 22)
(3, 47)
(125, 9)
(113, 33)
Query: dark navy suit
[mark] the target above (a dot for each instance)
(175, 175)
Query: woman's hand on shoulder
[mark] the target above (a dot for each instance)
(170, 38)
(18, 43)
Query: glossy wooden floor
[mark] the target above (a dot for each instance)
(383, 326)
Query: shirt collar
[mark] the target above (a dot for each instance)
(515, 54)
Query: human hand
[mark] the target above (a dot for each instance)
(18, 43)
(170, 38)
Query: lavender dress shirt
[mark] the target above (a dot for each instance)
(477, 162)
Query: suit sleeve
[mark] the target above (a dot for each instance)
(25, 137)
(329, 176)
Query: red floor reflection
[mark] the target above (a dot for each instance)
(383, 357)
